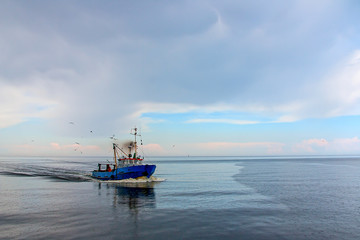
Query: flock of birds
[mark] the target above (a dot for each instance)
(127, 144)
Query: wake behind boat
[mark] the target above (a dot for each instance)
(128, 165)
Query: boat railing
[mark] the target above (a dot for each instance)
(130, 161)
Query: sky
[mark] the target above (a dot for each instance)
(222, 78)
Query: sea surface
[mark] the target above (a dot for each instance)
(201, 198)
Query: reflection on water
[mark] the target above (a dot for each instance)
(129, 200)
(133, 195)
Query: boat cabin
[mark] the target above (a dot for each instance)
(106, 167)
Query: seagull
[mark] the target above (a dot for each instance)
(113, 137)
(71, 123)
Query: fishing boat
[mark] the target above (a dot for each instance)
(127, 163)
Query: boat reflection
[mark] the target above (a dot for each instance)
(133, 195)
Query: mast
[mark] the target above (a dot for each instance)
(114, 147)
(135, 143)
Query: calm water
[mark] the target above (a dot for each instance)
(202, 198)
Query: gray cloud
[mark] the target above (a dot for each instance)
(99, 60)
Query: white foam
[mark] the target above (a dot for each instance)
(135, 180)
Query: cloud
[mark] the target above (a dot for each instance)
(20, 103)
(347, 145)
(307, 146)
(106, 66)
(202, 55)
(342, 90)
(154, 149)
(323, 146)
(55, 149)
(236, 148)
(336, 93)
(228, 121)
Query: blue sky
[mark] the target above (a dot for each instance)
(198, 77)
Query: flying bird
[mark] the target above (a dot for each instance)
(113, 137)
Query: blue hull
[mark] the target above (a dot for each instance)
(125, 172)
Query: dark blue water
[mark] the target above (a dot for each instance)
(202, 198)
